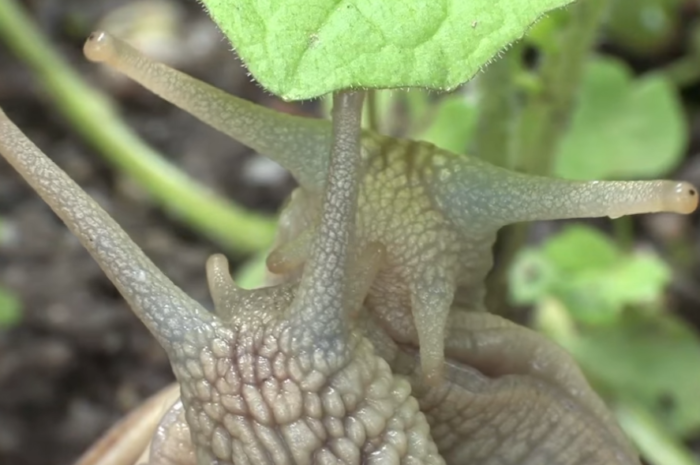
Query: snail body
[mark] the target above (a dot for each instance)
(354, 352)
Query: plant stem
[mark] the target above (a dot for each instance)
(683, 72)
(656, 445)
(93, 116)
(372, 111)
(251, 274)
(542, 123)
(495, 126)
(623, 230)
(497, 285)
(547, 113)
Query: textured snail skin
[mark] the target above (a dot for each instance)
(354, 353)
(435, 212)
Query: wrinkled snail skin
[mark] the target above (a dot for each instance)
(280, 376)
(497, 197)
(435, 212)
(525, 411)
(343, 358)
(301, 145)
(542, 426)
(501, 349)
(209, 373)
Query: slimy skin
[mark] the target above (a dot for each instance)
(435, 212)
(353, 353)
(277, 375)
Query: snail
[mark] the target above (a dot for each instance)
(356, 351)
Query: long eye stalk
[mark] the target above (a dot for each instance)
(479, 195)
(299, 144)
(165, 309)
(322, 298)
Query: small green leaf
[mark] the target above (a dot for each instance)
(622, 128)
(565, 248)
(10, 309)
(640, 280)
(590, 297)
(531, 277)
(585, 296)
(653, 361)
(302, 49)
(595, 286)
(598, 297)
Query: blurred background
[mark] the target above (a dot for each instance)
(73, 358)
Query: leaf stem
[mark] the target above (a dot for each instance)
(547, 112)
(655, 444)
(683, 72)
(497, 109)
(372, 111)
(540, 124)
(93, 116)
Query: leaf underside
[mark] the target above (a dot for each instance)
(301, 49)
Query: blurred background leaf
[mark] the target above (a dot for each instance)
(10, 309)
(623, 127)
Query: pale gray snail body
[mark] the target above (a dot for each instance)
(355, 354)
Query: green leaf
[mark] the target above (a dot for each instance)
(598, 297)
(565, 248)
(10, 309)
(587, 300)
(302, 49)
(531, 277)
(640, 280)
(558, 269)
(646, 357)
(653, 361)
(595, 286)
(622, 128)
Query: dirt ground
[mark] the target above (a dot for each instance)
(79, 359)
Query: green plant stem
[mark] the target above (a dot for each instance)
(513, 238)
(93, 116)
(683, 72)
(547, 112)
(623, 229)
(495, 126)
(372, 111)
(656, 445)
(251, 274)
(543, 121)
